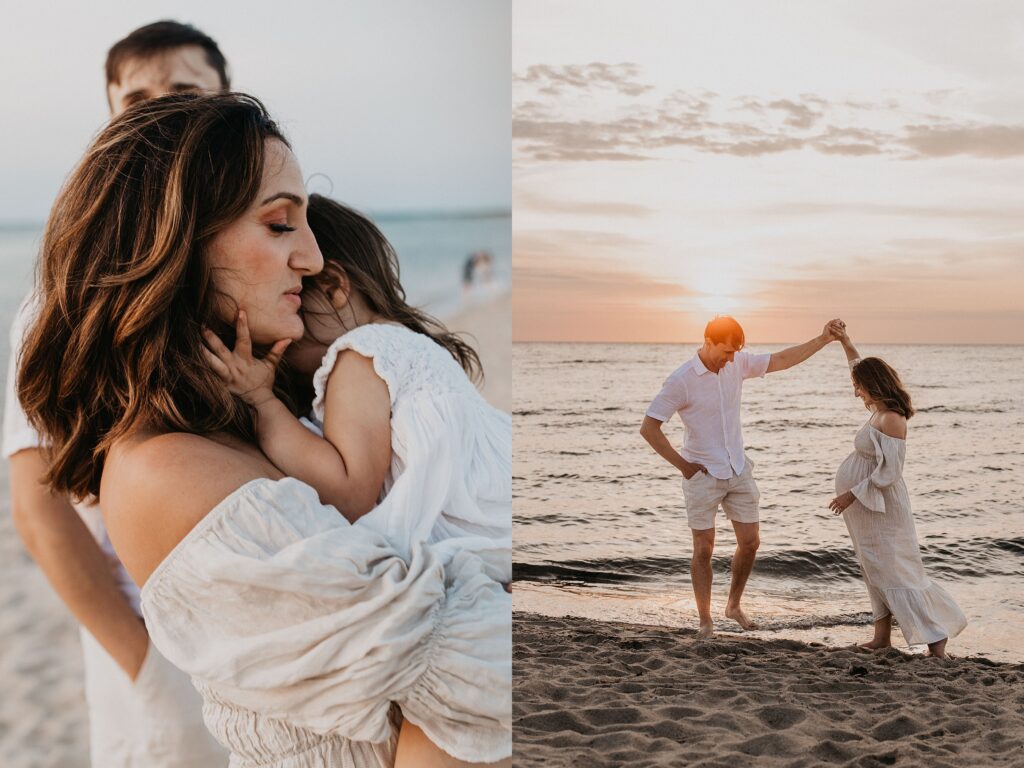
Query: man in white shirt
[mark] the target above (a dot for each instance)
(142, 710)
(705, 391)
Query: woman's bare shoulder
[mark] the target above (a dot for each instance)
(156, 487)
(892, 424)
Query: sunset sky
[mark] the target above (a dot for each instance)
(781, 162)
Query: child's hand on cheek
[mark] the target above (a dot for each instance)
(250, 378)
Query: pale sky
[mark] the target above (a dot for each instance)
(404, 104)
(784, 162)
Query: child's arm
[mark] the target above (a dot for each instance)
(348, 468)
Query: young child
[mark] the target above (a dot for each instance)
(399, 437)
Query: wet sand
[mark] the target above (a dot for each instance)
(592, 693)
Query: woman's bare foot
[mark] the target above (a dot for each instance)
(938, 649)
(705, 631)
(875, 644)
(737, 615)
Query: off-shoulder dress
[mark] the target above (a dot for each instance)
(881, 527)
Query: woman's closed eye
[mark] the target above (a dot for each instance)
(279, 228)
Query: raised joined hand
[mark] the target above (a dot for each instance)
(834, 330)
(250, 378)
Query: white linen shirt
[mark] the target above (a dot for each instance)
(708, 404)
(19, 435)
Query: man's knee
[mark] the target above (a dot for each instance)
(749, 544)
(703, 545)
(748, 537)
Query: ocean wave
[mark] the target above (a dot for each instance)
(822, 564)
(961, 409)
(971, 558)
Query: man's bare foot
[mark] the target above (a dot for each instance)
(737, 615)
(874, 645)
(705, 631)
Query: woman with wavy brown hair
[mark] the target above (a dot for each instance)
(308, 637)
(874, 502)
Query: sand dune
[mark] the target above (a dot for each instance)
(590, 693)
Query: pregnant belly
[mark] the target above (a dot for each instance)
(853, 469)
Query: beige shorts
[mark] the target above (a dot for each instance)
(738, 496)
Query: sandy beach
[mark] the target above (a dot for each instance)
(488, 329)
(42, 711)
(590, 693)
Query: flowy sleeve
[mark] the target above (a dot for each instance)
(276, 604)
(889, 455)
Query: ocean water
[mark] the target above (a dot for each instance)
(432, 249)
(600, 526)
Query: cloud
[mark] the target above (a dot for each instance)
(941, 212)
(986, 141)
(530, 202)
(556, 81)
(799, 115)
(549, 127)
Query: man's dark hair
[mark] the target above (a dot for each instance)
(725, 330)
(163, 36)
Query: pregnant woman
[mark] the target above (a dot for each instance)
(874, 502)
(312, 641)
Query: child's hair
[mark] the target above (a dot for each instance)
(353, 245)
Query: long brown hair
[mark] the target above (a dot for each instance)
(124, 290)
(353, 245)
(882, 384)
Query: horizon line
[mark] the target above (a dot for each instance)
(792, 341)
(382, 214)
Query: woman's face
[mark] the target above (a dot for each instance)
(259, 260)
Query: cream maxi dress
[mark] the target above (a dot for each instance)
(306, 634)
(882, 529)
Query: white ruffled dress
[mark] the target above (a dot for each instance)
(301, 631)
(450, 481)
(881, 527)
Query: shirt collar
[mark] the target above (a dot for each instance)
(698, 366)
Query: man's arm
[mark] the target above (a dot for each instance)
(651, 432)
(73, 562)
(787, 358)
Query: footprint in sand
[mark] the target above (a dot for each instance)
(771, 745)
(896, 728)
(780, 718)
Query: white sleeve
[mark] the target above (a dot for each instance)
(18, 434)
(753, 366)
(279, 606)
(889, 455)
(672, 397)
